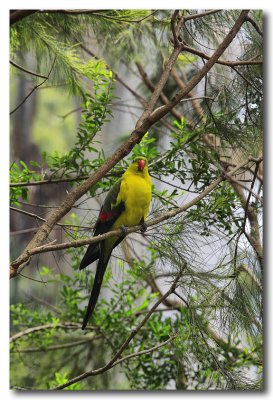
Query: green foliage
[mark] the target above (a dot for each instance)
(217, 211)
(21, 173)
(95, 112)
(61, 378)
(214, 317)
(147, 148)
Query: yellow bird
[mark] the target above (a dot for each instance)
(127, 204)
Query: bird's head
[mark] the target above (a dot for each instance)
(140, 164)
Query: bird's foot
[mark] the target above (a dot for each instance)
(144, 227)
(124, 230)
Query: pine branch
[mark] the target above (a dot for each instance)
(148, 119)
(247, 81)
(164, 99)
(162, 111)
(19, 264)
(117, 77)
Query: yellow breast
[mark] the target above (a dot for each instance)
(135, 192)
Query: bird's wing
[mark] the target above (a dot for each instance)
(110, 210)
(109, 213)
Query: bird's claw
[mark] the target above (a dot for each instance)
(143, 227)
(124, 230)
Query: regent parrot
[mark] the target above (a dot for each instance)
(127, 204)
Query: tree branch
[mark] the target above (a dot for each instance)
(161, 111)
(147, 119)
(17, 15)
(161, 83)
(57, 346)
(151, 86)
(200, 15)
(150, 350)
(196, 105)
(246, 269)
(49, 181)
(18, 264)
(248, 81)
(255, 25)
(56, 181)
(44, 303)
(250, 212)
(44, 220)
(250, 190)
(70, 12)
(27, 70)
(60, 325)
(199, 53)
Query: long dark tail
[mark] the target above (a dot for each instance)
(91, 255)
(101, 268)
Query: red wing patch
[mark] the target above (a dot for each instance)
(104, 216)
(106, 219)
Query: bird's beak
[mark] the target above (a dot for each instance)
(140, 165)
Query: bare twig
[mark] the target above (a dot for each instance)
(44, 303)
(49, 181)
(198, 109)
(70, 113)
(151, 86)
(60, 325)
(28, 213)
(199, 53)
(35, 87)
(21, 231)
(27, 70)
(57, 346)
(248, 81)
(255, 25)
(44, 220)
(249, 190)
(150, 350)
(248, 212)
(201, 15)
